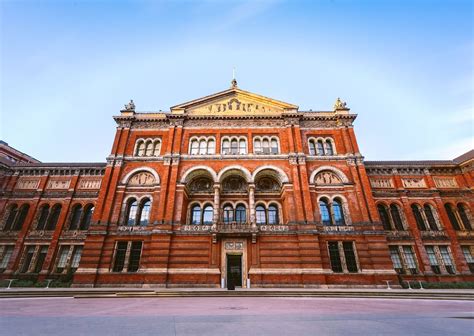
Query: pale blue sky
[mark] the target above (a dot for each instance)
(405, 67)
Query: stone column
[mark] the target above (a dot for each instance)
(217, 189)
(252, 205)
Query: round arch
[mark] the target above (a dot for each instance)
(335, 170)
(282, 177)
(140, 169)
(192, 172)
(243, 172)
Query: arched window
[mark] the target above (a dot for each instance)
(86, 217)
(208, 215)
(228, 213)
(274, 146)
(240, 214)
(325, 213)
(464, 217)
(141, 148)
(242, 147)
(257, 146)
(202, 147)
(44, 213)
(320, 148)
(11, 217)
(75, 217)
(273, 214)
(338, 212)
(53, 217)
(144, 216)
(384, 217)
(329, 149)
(420, 223)
(226, 146)
(20, 219)
(196, 214)
(266, 146)
(132, 209)
(397, 219)
(149, 148)
(452, 217)
(157, 149)
(194, 147)
(260, 214)
(312, 147)
(430, 217)
(211, 147)
(234, 146)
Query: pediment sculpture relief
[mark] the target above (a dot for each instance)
(234, 184)
(267, 184)
(142, 179)
(327, 177)
(202, 184)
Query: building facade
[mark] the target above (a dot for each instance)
(237, 188)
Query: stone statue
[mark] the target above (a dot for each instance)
(339, 104)
(130, 106)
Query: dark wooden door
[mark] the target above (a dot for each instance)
(234, 270)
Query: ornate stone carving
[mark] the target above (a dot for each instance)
(130, 106)
(340, 105)
(142, 179)
(89, 183)
(58, 184)
(201, 184)
(381, 183)
(234, 184)
(414, 183)
(327, 178)
(445, 182)
(267, 184)
(28, 183)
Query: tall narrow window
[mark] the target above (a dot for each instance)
(75, 217)
(430, 217)
(62, 258)
(86, 218)
(211, 147)
(234, 146)
(5, 259)
(145, 212)
(76, 257)
(242, 147)
(11, 217)
(120, 252)
(396, 260)
(228, 214)
(266, 146)
(448, 262)
(335, 257)
(312, 147)
(225, 146)
(452, 217)
(349, 254)
(397, 219)
(338, 212)
(329, 149)
(273, 214)
(420, 223)
(202, 147)
(468, 254)
(194, 147)
(433, 260)
(196, 214)
(132, 212)
(135, 254)
(44, 213)
(325, 214)
(53, 217)
(149, 148)
(384, 216)
(274, 146)
(208, 215)
(29, 252)
(240, 214)
(410, 259)
(20, 218)
(464, 217)
(157, 149)
(41, 258)
(260, 214)
(257, 146)
(141, 148)
(320, 148)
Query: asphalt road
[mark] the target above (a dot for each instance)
(235, 316)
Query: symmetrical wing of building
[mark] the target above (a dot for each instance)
(236, 187)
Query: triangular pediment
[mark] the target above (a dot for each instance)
(234, 102)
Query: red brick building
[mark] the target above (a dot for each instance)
(237, 187)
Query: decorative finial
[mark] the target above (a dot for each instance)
(233, 83)
(130, 106)
(340, 105)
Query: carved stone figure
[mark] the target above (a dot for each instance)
(327, 177)
(142, 179)
(339, 104)
(130, 106)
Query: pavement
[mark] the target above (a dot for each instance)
(235, 316)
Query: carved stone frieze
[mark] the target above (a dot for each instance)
(414, 182)
(327, 177)
(58, 184)
(233, 123)
(141, 179)
(381, 182)
(148, 124)
(89, 183)
(28, 183)
(445, 182)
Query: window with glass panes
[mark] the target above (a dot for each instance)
(433, 260)
(349, 255)
(120, 251)
(410, 259)
(5, 258)
(468, 252)
(334, 257)
(447, 260)
(62, 261)
(76, 257)
(396, 260)
(135, 254)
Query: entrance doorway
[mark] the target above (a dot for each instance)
(234, 270)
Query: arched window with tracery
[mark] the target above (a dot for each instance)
(312, 147)
(420, 222)
(208, 214)
(326, 217)
(338, 212)
(149, 148)
(463, 213)
(144, 212)
(140, 148)
(329, 149)
(211, 146)
(452, 217)
(226, 146)
(240, 214)
(75, 217)
(194, 147)
(53, 217)
(273, 214)
(260, 214)
(131, 214)
(320, 148)
(43, 217)
(87, 217)
(196, 214)
(157, 148)
(228, 213)
(202, 147)
(397, 219)
(430, 217)
(384, 217)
